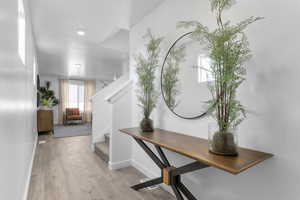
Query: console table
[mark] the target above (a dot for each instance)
(192, 147)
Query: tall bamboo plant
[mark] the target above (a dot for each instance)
(146, 66)
(228, 50)
(170, 80)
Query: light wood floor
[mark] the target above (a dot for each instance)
(66, 169)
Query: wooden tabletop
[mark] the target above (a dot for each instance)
(197, 148)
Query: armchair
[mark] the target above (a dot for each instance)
(73, 114)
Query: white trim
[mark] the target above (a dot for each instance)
(119, 92)
(119, 165)
(27, 183)
(111, 86)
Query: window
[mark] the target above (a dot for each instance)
(21, 31)
(76, 94)
(204, 69)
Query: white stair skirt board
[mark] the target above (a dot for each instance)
(27, 184)
(119, 165)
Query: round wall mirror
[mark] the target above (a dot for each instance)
(185, 78)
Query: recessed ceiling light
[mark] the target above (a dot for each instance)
(77, 65)
(80, 32)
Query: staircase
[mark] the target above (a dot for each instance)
(102, 148)
(112, 112)
(102, 116)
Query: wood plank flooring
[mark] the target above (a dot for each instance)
(67, 169)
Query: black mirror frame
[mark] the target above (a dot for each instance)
(161, 82)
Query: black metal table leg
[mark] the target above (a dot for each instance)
(150, 153)
(177, 192)
(186, 192)
(189, 168)
(170, 175)
(162, 156)
(148, 183)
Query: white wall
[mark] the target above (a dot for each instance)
(55, 87)
(271, 93)
(17, 106)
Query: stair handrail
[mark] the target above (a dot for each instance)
(120, 79)
(116, 94)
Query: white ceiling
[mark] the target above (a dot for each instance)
(101, 51)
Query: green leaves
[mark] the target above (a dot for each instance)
(200, 32)
(146, 66)
(48, 97)
(218, 6)
(243, 24)
(221, 4)
(229, 50)
(170, 80)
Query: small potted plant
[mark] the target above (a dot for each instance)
(228, 51)
(146, 66)
(47, 97)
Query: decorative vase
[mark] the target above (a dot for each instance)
(222, 143)
(146, 125)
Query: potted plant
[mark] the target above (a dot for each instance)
(228, 50)
(146, 66)
(47, 97)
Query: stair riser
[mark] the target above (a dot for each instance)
(102, 155)
(106, 139)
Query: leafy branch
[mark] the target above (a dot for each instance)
(170, 80)
(48, 96)
(229, 50)
(146, 66)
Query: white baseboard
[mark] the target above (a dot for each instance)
(27, 183)
(119, 165)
